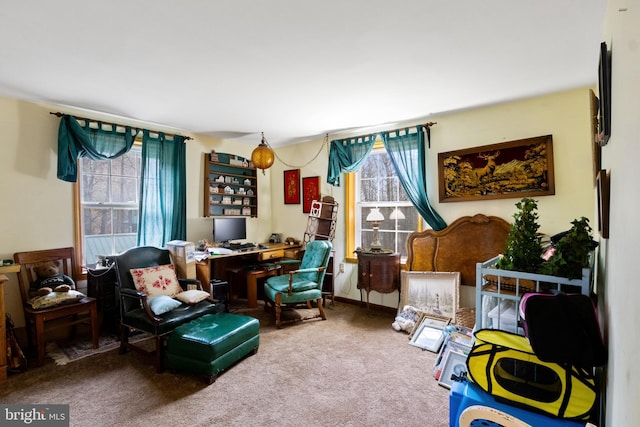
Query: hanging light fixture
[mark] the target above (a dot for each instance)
(262, 156)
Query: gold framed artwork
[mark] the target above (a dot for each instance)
(515, 169)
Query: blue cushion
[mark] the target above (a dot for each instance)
(162, 304)
(281, 283)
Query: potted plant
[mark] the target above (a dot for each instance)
(523, 251)
(572, 251)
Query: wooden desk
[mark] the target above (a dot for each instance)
(219, 266)
(252, 277)
(14, 268)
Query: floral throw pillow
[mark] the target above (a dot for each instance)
(157, 280)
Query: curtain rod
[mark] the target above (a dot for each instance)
(427, 126)
(59, 114)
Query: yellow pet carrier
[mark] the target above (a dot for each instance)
(504, 365)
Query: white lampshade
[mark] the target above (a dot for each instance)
(375, 215)
(396, 214)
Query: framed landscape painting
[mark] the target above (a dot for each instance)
(435, 293)
(522, 168)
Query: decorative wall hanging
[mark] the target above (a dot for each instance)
(603, 203)
(604, 92)
(310, 192)
(522, 168)
(595, 143)
(292, 187)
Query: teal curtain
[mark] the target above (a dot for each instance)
(407, 153)
(75, 141)
(346, 155)
(163, 203)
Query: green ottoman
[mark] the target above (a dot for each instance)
(211, 343)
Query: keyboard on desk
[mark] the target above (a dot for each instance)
(241, 246)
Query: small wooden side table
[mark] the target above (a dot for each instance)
(378, 271)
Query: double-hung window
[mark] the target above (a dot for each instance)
(109, 194)
(376, 185)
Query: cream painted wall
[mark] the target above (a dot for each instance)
(199, 227)
(564, 115)
(619, 270)
(28, 128)
(37, 208)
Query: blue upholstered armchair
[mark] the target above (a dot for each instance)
(302, 285)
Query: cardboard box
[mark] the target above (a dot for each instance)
(184, 257)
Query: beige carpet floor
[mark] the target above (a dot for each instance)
(350, 370)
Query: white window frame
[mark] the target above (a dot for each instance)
(354, 214)
(81, 257)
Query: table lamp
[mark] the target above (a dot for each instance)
(375, 216)
(396, 214)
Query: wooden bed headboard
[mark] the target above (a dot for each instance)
(458, 247)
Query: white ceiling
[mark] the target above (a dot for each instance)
(293, 69)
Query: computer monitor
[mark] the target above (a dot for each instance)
(229, 229)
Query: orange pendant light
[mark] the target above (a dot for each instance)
(262, 156)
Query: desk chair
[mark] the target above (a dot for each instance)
(302, 285)
(58, 316)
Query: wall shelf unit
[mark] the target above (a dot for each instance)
(230, 186)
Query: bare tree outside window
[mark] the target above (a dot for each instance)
(378, 186)
(109, 192)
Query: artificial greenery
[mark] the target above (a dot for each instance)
(572, 251)
(523, 250)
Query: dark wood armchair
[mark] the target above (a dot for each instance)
(67, 315)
